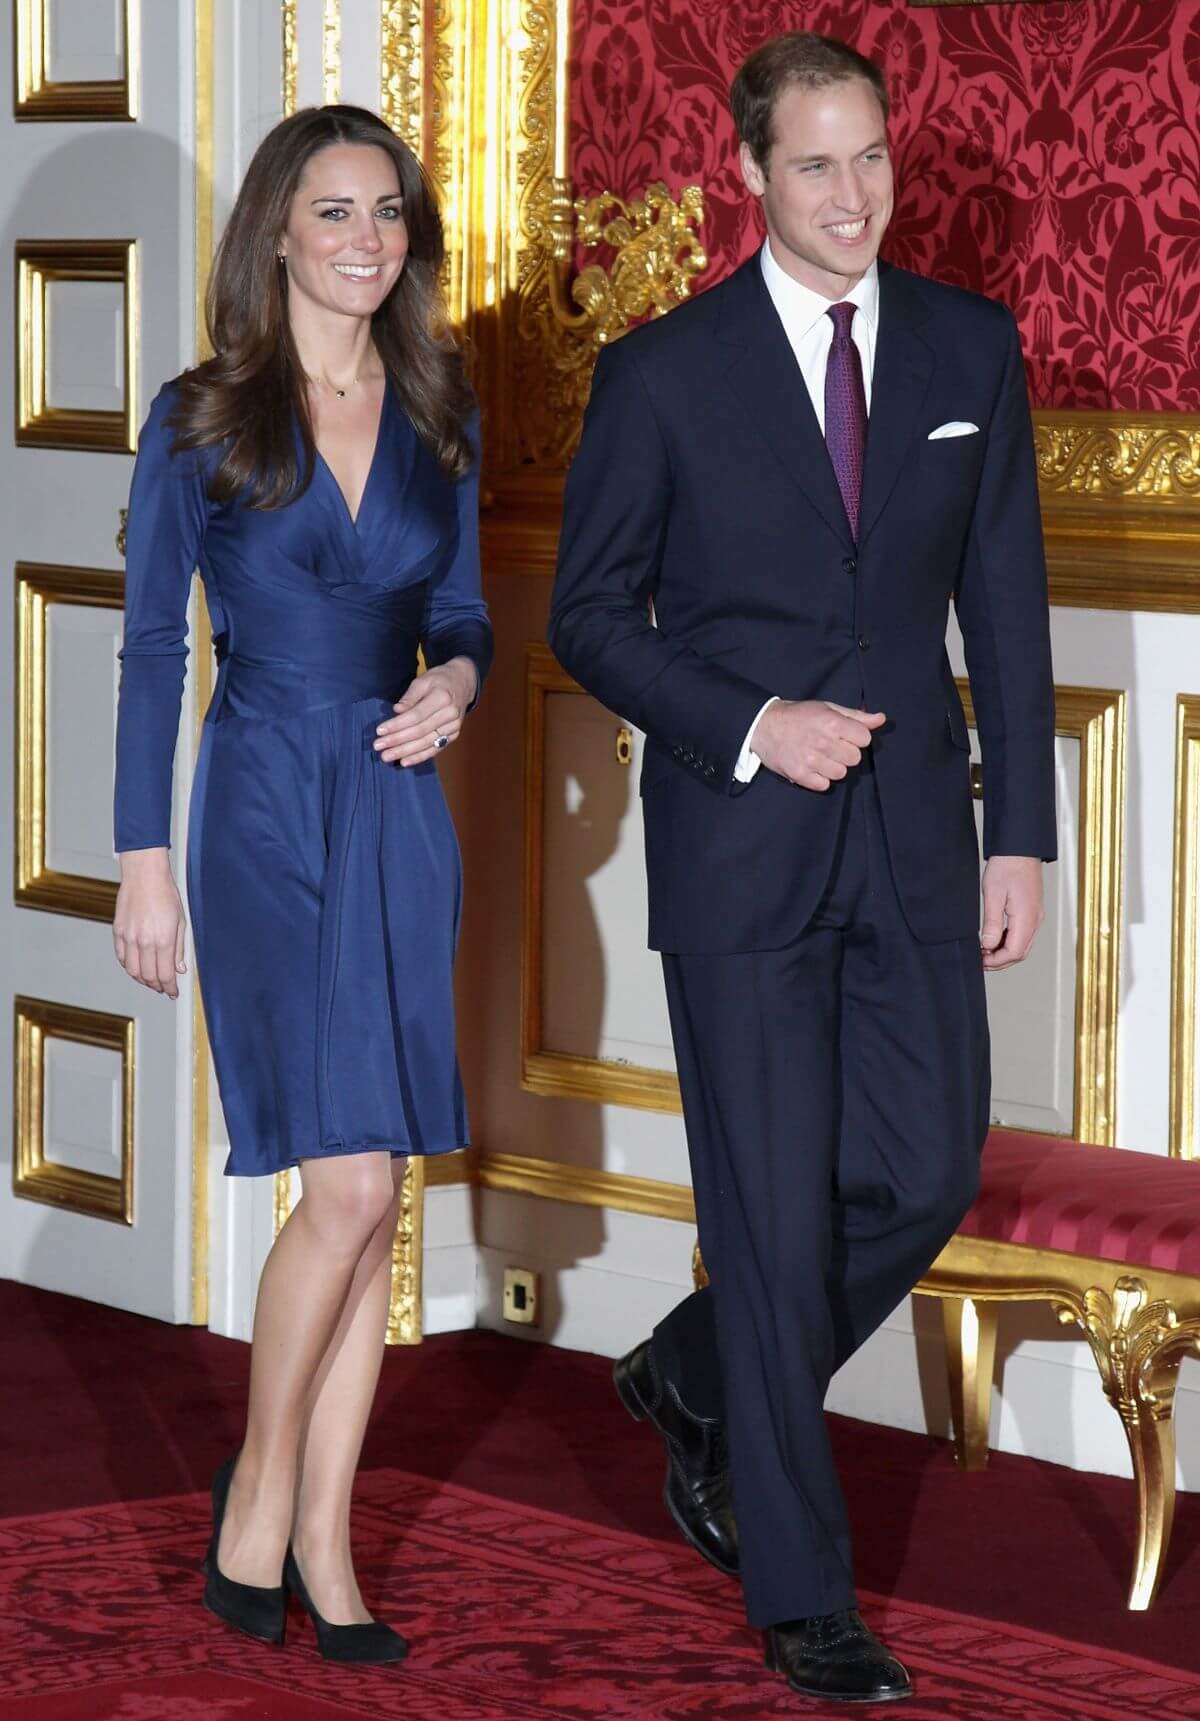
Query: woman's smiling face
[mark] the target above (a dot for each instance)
(345, 239)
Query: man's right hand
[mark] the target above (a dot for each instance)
(149, 925)
(813, 742)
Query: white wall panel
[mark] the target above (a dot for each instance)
(602, 988)
(1032, 1008)
(81, 692)
(85, 346)
(82, 1099)
(86, 40)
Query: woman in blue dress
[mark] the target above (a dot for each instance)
(322, 472)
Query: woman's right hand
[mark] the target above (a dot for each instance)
(149, 925)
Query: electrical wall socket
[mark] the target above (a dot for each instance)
(522, 1296)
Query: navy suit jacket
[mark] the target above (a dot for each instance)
(706, 563)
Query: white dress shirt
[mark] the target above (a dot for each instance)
(809, 329)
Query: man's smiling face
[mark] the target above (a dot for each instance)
(827, 186)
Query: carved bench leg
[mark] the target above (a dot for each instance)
(970, 1361)
(1138, 1346)
(1151, 1436)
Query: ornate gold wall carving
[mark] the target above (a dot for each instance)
(402, 69)
(1121, 506)
(331, 52)
(287, 23)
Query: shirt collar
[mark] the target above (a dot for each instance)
(801, 309)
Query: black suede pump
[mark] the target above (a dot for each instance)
(260, 1613)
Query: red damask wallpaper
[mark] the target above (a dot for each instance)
(1047, 154)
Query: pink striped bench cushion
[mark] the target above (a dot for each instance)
(1048, 1192)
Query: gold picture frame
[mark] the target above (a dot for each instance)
(36, 1178)
(39, 263)
(35, 884)
(38, 96)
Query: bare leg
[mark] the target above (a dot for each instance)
(304, 1286)
(339, 1405)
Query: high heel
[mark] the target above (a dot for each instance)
(371, 1644)
(260, 1613)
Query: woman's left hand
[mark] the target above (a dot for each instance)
(430, 715)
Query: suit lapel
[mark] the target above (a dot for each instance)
(904, 363)
(766, 379)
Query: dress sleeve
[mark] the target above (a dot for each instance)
(168, 511)
(456, 618)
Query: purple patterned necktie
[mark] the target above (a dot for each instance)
(846, 412)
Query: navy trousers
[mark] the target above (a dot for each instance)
(836, 1099)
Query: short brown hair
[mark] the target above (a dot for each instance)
(796, 57)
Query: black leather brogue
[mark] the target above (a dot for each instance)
(697, 1490)
(835, 1657)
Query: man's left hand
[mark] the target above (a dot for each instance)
(430, 715)
(1013, 909)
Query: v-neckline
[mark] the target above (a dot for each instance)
(357, 515)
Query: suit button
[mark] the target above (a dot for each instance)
(849, 566)
(864, 643)
(677, 752)
(710, 770)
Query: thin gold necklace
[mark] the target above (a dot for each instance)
(340, 392)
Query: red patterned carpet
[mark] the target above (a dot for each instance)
(514, 1612)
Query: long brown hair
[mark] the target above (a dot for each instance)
(246, 398)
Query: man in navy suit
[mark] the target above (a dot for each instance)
(780, 488)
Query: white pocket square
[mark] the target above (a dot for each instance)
(955, 428)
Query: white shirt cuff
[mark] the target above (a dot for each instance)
(748, 762)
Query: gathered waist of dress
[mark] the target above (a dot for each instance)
(310, 651)
(247, 687)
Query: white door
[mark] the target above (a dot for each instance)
(97, 206)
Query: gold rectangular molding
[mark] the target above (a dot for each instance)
(40, 262)
(37, 96)
(551, 1180)
(1096, 718)
(582, 1186)
(37, 885)
(544, 1071)
(36, 1178)
(1184, 933)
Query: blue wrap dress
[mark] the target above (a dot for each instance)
(324, 885)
